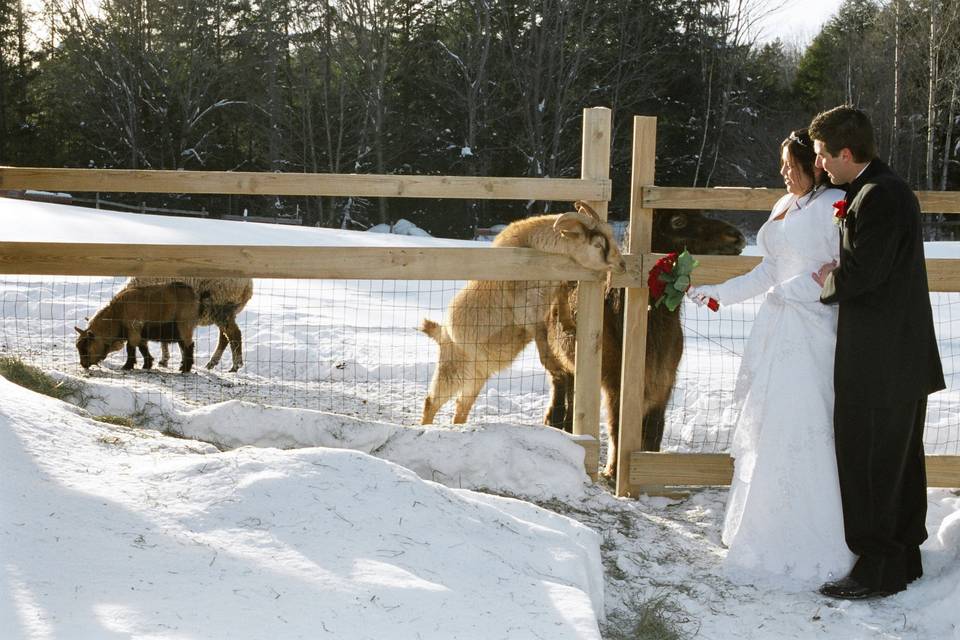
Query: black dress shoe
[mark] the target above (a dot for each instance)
(849, 589)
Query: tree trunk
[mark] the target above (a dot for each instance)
(948, 137)
(895, 128)
(931, 94)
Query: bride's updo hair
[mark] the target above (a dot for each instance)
(801, 150)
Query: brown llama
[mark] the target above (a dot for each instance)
(672, 231)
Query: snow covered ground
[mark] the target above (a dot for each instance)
(321, 512)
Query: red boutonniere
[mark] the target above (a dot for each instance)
(669, 279)
(839, 212)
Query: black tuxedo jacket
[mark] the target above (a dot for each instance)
(886, 347)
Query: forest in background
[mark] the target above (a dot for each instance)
(460, 87)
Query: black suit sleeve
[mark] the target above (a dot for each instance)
(867, 264)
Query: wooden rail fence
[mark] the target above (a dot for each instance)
(638, 471)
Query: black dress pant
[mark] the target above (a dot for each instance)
(883, 488)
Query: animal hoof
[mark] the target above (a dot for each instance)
(234, 368)
(211, 365)
(162, 363)
(147, 366)
(127, 367)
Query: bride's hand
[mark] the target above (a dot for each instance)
(702, 294)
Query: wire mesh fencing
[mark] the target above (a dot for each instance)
(354, 347)
(702, 414)
(351, 347)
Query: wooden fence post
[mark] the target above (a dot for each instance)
(635, 302)
(595, 164)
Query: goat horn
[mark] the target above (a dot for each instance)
(583, 207)
(79, 330)
(585, 210)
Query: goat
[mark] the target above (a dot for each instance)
(167, 313)
(664, 347)
(488, 323)
(226, 297)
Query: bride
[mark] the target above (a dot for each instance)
(784, 523)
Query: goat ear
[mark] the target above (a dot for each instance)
(569, 225)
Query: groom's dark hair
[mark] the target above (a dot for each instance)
(845, 127)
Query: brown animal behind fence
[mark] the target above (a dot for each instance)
(672, 231)
(136, 315)
(225, 298)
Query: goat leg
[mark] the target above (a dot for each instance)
(236, 344)
(222, 343)
(164, 354)
(147, 358)
(186, 355)
(468, 395)
(430, 409)
(131, 357)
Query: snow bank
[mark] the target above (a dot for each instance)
(495, 457)
(108, 530)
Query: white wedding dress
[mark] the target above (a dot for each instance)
(784, 524)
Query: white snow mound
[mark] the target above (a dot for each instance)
(184, 541)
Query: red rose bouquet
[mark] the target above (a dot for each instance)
(839, 212)
(669, 280)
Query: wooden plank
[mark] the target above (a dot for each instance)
(442, 263)
(680, 469)
(712, 269)
(716, 469)
(747, 199)
(594, 166)
(939, 201)
(304, 184)
(633, 363)
(943, 471)
(943, 273)
(591, 454)
(735, 198)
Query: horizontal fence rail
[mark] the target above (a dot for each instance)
(332, 263)
(383, 263)
(747, 199)
(304, 184)
(707, 469)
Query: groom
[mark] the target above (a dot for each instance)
(886, 359)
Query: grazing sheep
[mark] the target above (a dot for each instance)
(165, 313)
(226, 297)
(671, 232)
(488, 323)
